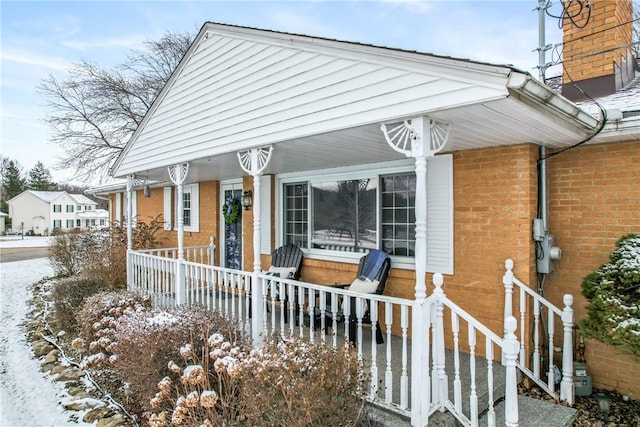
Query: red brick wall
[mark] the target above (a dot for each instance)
(594, 199)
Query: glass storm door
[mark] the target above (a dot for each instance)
(232, 227)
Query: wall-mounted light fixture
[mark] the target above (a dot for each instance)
(146, 190)
(247, 200)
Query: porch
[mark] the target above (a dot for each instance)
(447, 363)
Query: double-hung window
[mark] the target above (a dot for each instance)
(190, 207)
(69, 208)
(57, 208)
(343, 215)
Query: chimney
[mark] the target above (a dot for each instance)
(599, 57)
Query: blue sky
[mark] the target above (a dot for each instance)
(39, 38)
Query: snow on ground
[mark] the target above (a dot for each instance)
(28, 396)
(27, 242)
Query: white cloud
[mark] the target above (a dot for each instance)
(114, 42)
(35, 58)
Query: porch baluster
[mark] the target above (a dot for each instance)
(491, 414)
(373, 313)
(388, 373)
(457, 383)
(551, 375)
(404, 377)
(473, 396)
(536, 339)
(510, 351)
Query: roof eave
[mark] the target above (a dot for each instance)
(532, 92)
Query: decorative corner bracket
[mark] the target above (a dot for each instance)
(417, 137)
(178, 173)
(254, 161)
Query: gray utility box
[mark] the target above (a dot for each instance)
(582, 382)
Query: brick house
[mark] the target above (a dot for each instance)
(295, 120)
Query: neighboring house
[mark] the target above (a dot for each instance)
(297, 120)
(2, 217)
(44, 211)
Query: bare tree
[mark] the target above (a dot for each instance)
(94, 111)
(636, 29)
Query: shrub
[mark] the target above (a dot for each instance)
(68, 297)
(101, 253)
(287, 383)
(613, 292)
(146, 342)
(297, 383)
(66, 253)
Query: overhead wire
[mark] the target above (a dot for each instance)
(571, 16)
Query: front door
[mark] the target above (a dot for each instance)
(232, 226)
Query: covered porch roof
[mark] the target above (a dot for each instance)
(320, 104)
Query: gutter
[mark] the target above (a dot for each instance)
(532, 92)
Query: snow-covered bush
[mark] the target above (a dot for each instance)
(146, 341)
(613, 292)
(68, 296)
(294, 382)
(205, 389)
(101, 252)
(66, 253)
(289, 382)
(97, 321)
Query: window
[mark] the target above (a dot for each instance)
(79, 207)
(346, 214)
(190, 207)
(102, 222)
(186, 203)
(69, 208)
(57, 208)
(78, 223)
(93, 222)
(70, 223)
(295, 214)
(87, 207)
(398, 194)
(57, 223)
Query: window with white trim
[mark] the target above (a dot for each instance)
(57, 223)
(351, 212)
(69, 223)
(69, 208)
(57, 208)
(190, 207)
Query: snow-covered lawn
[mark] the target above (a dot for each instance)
(27, 242)
(28, 396)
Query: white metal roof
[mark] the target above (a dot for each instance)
(320, 103)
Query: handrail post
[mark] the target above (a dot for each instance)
(439, 379)
(212, 249)
(566, 385)
(510, 348)
(507, 281)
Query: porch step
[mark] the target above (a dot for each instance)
(535, 413)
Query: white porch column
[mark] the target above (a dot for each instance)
(253, 162)
(177, 174)
(419, 137)
(130, 184)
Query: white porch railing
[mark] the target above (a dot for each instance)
(461, 379)
(203, 254)
(531, 366)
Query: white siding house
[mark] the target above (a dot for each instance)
(42, 211)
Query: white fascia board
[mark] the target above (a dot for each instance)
(625, 130)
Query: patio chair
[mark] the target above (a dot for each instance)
(371, 278)
(286, 263)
